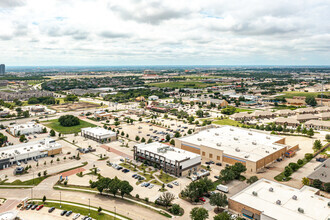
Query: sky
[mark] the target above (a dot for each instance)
(164, 32)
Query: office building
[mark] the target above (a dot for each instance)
(98, 134)
(230, 145)
(170, 159)
(2, 69)
(269, 200)
(27, 151)
(28, 128)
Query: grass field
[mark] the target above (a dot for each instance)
(227, 122)
(30, 182)
(165, 178)
(54, 124)
(185, 84)
(244, 110)
(291, 94)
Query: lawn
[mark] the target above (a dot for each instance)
(165, 178)
(83, 211)
(30, 182)
(243, 110)
(227, 122)
(291, 94)
(184, 84)
(54, 124)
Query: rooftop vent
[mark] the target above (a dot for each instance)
(274, 148)
(294, 197)
(268, 137)
(218, 144)
(254, 143)
(236, 138)
(250, 133)
(216, 134)
(278, 202)
(254, 193)
(267, 151)
(246, 156)
(199, 139)
(237, 149)
(231, 129)
(271, 189)
(300, 210)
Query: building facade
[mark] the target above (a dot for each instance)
(98, 134)
(28, 128)
(171, 160)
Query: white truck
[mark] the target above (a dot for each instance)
(223, 188)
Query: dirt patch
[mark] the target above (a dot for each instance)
(74, 106)
(71, 172)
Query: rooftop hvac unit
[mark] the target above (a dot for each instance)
(216, 134)
(268, 137)
(231, 129)
(246, 156)
(237, 149)
(329, 204)
(274, 148)
(208, 130)
(199, 139)
(254, 143)
(218, 144)
(271, 189)
(294, 197)
(267, 151)
(250, 133)
(300, 210)
(278, 202)
(236, 138)
(254, 193)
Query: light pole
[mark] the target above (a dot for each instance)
(115, 212)
(89, 206)
(60, 200)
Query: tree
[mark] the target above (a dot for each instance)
(200, 113)
(229, 110)
(175, 209)
(327, 187)
(140, 119)
(114, 186)
(300, 162)
(71, 98)
(44, 199)
(44, 130)
(310, 132)
(125, 188)
(22, 138)
(317, 145)
(26, 114)
(305, 181)
(177, 134)
(143, 140)
(199, 214)
(68, 120)
(327, 137)
(58, 159)
(52, 133)
(287, 171)
(168, 138)
(137, 138)
(167, 198)
(219, 200)
(3, 139)
(45, 173)
(294, 166)
(172, 142)
(189, 131)
(304, 130)
(39, 174)
(252, 179)
(99, 210)
(310, 100)
(222, 216)
(308, 156)
(317, 184)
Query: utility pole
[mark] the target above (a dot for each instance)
(60, 200)
(89, 206)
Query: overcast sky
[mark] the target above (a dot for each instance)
(151, 32)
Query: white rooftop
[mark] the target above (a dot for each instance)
(169, 152)
(27, 125)
(239, 142)
(41, 145)
(314, 207)
(99, 131)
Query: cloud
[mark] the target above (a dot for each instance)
(110, 34)
(11, 3)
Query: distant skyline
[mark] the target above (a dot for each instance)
(171, 32)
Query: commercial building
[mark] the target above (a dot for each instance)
(102, 114)
(28, 128)
(230, 145)
(98, 134)
(289, 122)
(318, 125)
(321, 173)
(170, 159)
(23, 95)
(2, 69)
(269, 200)
(28, 151)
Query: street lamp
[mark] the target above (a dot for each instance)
(60, 200)
(115, 212)
(89, 206)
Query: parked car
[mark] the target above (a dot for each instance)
(29, 206)
(63, 212)
(76, 216)
(34, 207)
(39, 207)
(169, 185)
(175, 183)
(68, 213)
(217, 177)
(218, 164)
(134, 175)
(51, 209)
(202, 199)
(147, 184)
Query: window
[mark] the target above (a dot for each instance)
(218, 157)
(203, 153)
(210, 155)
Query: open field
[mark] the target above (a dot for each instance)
(54, 124)
(74, 106)
(185, 84)
(291, 94)
(227, 122)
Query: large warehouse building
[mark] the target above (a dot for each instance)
(269, 200)
(170, 159)
(98, 134)
(229, 145)
(28, 151)
(28, 128)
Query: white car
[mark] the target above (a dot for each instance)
(175, 183)
(150, 186)
(76, 216)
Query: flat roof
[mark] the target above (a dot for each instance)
(23, 126)
(239, 142)
(99, 131)
(314, 207)
(41, 145)
(169, 152)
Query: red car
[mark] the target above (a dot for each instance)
(40, 207)
(202, 199)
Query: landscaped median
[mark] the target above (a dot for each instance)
(82, 209)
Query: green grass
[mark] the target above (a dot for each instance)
(83, 211)
(227, 122)
(156, 182)
(291, 94)
(184, 84)
(243, 110)
(165, 178)
(54, 124)
(280, 177)
(30, 182)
